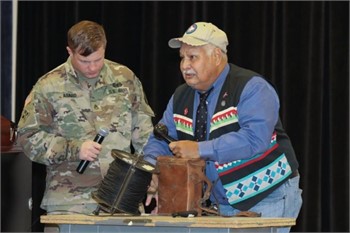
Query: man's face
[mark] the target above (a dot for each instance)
(89, 66)
(199, 69)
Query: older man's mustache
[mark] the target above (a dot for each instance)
(189, 72)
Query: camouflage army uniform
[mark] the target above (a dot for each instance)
(62, 112)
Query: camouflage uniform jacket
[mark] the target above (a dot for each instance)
(62, 112)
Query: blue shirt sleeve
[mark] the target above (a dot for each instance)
(156, 147)
(258, 111)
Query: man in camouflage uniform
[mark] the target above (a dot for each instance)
(65, 110)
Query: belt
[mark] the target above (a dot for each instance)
(294, 174)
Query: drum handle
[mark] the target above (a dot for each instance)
(205, 179)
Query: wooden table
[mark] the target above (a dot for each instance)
(168, 224)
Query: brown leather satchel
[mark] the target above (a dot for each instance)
(181, 183)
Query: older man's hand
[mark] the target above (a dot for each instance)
(185, 149)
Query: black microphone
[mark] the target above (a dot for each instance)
(161, 133)
(102, 133)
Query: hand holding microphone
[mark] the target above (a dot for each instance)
(180, 149)
(103, 132)
(161, 132)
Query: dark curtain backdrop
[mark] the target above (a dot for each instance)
(6, 57)
(302, 47)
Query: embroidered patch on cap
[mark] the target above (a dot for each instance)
(191, 29)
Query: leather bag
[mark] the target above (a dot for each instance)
(181, 183)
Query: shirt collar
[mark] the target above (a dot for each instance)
(221, 79)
